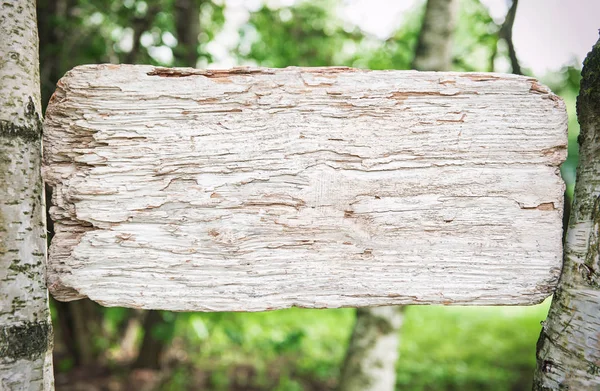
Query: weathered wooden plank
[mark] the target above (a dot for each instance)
(255, 189)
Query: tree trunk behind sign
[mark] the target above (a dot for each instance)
(568, 355)
(370, 362)
(25, 328)
(187, 26)
(434, 48)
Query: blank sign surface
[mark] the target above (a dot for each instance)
(256, 189)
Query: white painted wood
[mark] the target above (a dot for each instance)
(257, 189)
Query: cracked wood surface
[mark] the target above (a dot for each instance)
(253, 189)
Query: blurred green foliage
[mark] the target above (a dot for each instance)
(74, 32)
(305, 35)
(441, 348)
(476, 38)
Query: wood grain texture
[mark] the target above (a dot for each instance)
(256, 189)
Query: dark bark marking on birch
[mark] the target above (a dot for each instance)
(32, 131)
(29, 340)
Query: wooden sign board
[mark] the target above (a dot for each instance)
(258, 189)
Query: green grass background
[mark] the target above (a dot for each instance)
(442, 348)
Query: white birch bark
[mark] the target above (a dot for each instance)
(370, 362)
(569, 345)
(25, 328)
(256, 189)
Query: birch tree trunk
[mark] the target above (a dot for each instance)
(568, 356)
(370, 362)
(25, 328)
(434, 48)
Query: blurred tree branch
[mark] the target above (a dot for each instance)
(506, 34)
